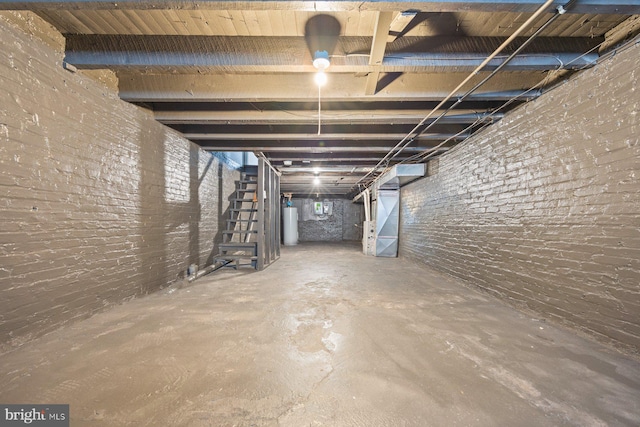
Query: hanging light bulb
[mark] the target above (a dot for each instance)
(321, 63)
(320, 78)
(316, 181)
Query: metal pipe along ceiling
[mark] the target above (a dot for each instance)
(416, 130)
(561, 10)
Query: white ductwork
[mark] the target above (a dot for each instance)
(399, 176)
(386, 207)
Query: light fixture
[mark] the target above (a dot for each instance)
(321, 63)
(321, 60)
(320, 78)
(316, 173)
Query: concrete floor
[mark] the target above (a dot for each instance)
(325, 336)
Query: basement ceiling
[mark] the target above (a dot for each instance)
(238, 75)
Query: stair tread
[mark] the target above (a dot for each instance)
(230, 256)
(237, 261)
(241, 253)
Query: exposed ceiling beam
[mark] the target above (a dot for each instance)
(137, 87)
(340, 170)
(280, 117)
(320, 195)
(299, 137)
(343, 179)
(320, 149)
(378, 46)
(360, 158)
(309, 127)
(306, 133)
(339, 182)
(313, 192)
(583, 6)
(627, 30)
(399, 23)
(330, 187)
(310, 190)
(310, 176)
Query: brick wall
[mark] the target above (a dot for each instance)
(344, 222)
(543, 208)
(99, 203)
(352, 219)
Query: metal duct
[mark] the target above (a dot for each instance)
(387, 222)
(388, 206)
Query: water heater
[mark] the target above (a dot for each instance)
(290, 225)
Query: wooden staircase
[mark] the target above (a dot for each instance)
(239, 247)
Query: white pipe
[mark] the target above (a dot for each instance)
(367, 205)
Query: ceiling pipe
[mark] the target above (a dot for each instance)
(561, 10)
(367, 205)
(408, 139)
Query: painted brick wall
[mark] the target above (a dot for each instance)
(344, 223)
(543, 209)
(98, 202)
(352, 219)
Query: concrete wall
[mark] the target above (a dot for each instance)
(543, 209)
(98, 202)
(343, 223)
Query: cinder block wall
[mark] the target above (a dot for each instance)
(98, 202)
(543, 209)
